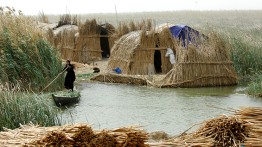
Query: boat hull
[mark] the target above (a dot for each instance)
(63, 100)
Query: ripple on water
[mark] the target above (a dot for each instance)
(169, 110)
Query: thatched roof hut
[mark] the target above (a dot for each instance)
(64, 39)
(94, 41)
(205, 65)
(142, 53)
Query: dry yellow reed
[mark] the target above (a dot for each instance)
(73, 135)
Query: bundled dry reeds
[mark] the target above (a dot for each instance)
(253, 116)
(226, 131)
(119, 78)
(73, 135)
(243, 128)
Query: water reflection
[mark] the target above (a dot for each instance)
(169, 110)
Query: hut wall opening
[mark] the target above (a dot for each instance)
(157, 61)
(104, 43)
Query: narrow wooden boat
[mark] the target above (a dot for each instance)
(63, 100)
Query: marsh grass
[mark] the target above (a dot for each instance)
(68, 19)
(25, 53)
(22, 107)
(255, 86)
(247, 58)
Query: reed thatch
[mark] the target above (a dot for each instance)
(127, 27)
(135, 52)
(89, 44)
(243, 128)
(205, 65)
(73, 135)
(64, 39)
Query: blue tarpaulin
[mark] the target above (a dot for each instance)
(187, 35)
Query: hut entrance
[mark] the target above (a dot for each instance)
(157, 61)
(104, 44)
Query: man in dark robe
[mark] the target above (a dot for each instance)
(70, 76)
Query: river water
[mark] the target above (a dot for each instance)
(107, 106)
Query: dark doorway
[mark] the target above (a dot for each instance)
(158, 61)
(104, 44)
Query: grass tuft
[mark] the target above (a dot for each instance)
(21, 107)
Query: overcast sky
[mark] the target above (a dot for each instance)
(33, 7)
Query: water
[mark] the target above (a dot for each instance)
(107, 106)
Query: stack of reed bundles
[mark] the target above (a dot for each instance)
(121, 78)
(243, 128)
(73, 135)
(205, 65)
(253, 116)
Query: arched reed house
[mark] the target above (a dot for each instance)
(199, 62)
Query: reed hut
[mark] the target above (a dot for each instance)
(65, 39)
(207, 64)
(142, 53)
(94, 42)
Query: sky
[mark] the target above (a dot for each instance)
(33, 7)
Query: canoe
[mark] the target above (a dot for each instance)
(61, 100)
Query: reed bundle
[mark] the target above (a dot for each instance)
(243, 128)
(253, 115)
(226, 131)
(73, 135)
(120, 78)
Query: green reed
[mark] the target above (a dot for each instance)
(21, 107)
(26, 55)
